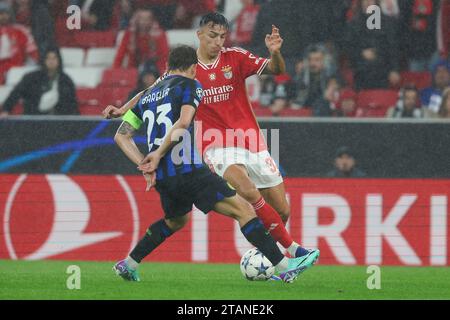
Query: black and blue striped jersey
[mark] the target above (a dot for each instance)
(159, 108)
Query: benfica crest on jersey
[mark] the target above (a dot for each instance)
(227, 72)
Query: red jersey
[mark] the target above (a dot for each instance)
(142, 47)
(225, 116)
(16, 44)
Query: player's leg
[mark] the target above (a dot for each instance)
(156, 234)
(175, 218)
(276, 197)
(210, 192)
(238, 177)
(254, 231)
(252, 228)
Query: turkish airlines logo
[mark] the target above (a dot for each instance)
(65, 216)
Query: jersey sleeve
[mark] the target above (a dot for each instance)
(249, 64)
(133, 117)
(192, 94)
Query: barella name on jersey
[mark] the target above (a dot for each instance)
(217, 94)
(156, 96)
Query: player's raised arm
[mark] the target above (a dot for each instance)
(276, 63)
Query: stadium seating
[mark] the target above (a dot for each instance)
(375, 103)
(116, 96)
(18, 109)
(348, 76)
(120, 78)
(187, 37)
(93, 101)
(100, 57)
(85, 77)
(63, 38)
(72, 57)
(420, 79)
(262, 112)
(16, 74)
(265, 112)
(446, 21)
(232, 9)
(84, 39)
(303, 112)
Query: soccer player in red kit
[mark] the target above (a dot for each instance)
(227, 132)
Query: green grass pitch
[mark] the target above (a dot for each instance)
(182, 281)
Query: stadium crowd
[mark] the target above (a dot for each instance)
(336, 65)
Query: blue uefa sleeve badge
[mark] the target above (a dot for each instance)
(199, 93)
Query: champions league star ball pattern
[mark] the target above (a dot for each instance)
(255, 266)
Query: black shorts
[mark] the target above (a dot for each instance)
(200, 187)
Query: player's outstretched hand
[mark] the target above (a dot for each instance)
(274, 40)
(150, 178)
(111, 112)
(150, 163)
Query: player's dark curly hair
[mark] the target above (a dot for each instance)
(216, 19)
(182, 57)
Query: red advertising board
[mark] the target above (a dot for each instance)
(352, 221)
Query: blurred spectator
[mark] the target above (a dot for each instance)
(326, 105)
(187, 11)
(267, 90)
(164, 10)
(390, 7)
(374, 54)
(122, 13)
(408, 105)
(443, 35)
(22, 11)
(346, 105)
(45, 91)
(281, 13)
(311, 79)
(444, 109)
(432, 96)
(419, 27)
(96, 14)
(42, 26)
(301, 23)
(276, 92)
(148, 74)
(143, 41)
(282, 92)
(16, 42)
(241, 34)
(278, 105)
(345, 165)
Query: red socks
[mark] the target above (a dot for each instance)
(272, 222)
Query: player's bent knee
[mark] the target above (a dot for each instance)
(249, 192)
(237, 208)
(243, 210)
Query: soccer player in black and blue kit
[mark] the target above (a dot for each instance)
(182, 180)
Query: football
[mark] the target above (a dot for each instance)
(255, 266)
